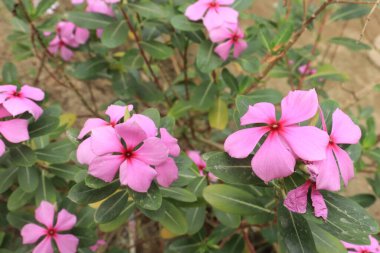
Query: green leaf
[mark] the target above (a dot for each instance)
(233, 200)
(89, 69)
(123, 217)
(265, 95)
(82, 194)
(7, 178)
(45, 190)
(230, 80)
(56, 152)
(235, 244)
(349, 43)
(22, 156)
(286, 31)
(218, 115)
(18, 199)
(179, 109)
(9, 73)
(150, 10)
(18, 219)
(89, 20)
(153, 114)
(231, 170)
(115, 34)
(133, 59)
(28, 178)
(43, 6)
(295, 232)
(197, 185)
(179, 194)
(365, 200)
(206, 59)
(350, 11)
(123, 84)
(203, 96)
(112, 207)
(173, 219)
(150, 200)
(44, 125)
(94, 182)
(327, 72)
(65, 171)
(182, 23)
(157, 50)
(228, 219)
(347, 220)
(325, 242)
(195, 217)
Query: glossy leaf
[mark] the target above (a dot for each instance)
(112, 207)
(150, 200)
(82, 194)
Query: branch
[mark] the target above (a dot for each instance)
(368, 19)
(353, 2)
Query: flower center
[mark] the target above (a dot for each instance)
(128, 154)
(213, 5)
(235, 38)
(112, 124)
(331, 141)
(16, 94)
(51, 232)
(274, 126)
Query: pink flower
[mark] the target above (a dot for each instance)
(31, 233)
(229, 37)
(296, 200)
(306, 70)
(343, 131)
(372, 248)
(68, 36)
(215, 13)
(17, 102)
(129, 148)
(97, 245)
(14, 131)
(286, 139)
(195, 156)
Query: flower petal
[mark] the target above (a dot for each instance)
(225, 2)
(197, 10)
(81, 35)
(240, 47)
(145, 123)
(167, 172)
(320, 208)
(32, 93)
(44, 246)
(67, 243)
(212, 19)
(137, 175)
(91, 124)
(104, 140)
(2, 148)
(195, 156)
(85, 155)
(296, 199)
(31, 233)
(219, 34)
(223, 49)
(273, 159)
(3, 112)
(308, 143)
(45, 214)
(259, 113)
(8, 88)
(327, 177)
(228, 14)
(346, 166)
(116, 112)
(344, 130)
(105, 167)
(66, 53)
(299, 106)
(65, 220)
(170, 142)
(131, 133)
(152, 152)
(17, 106)
(241, 143)
(15, 130)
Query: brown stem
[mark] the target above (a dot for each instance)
(185, 69)
(375, 5)
(353, 2)
(250, 246)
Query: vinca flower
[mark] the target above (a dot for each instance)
(374, 247)
(306, 70)
(195, 156)
(296, 200)
(32, 233)
(228, 37)
(286, 140)
(215, 13)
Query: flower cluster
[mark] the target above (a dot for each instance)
(374, 247)
(222, 23)
(98, 6)
(44, 214)
(131, 148)
(195, 156)
(68, 36)
(287, 140)
(14, 102)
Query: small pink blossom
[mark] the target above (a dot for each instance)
(344, 131)
(68, 36)
(286, 139)
(296, 200)
(228, 37)
(97, 245)
(306, 70)
(14, 131)
(215, 13)
(44, 214)
(374, 247)
(195, 156)
(17, 102)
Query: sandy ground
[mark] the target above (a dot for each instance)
(363, 73)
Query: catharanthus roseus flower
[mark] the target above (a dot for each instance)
(44, 214)
(97, 245)
(228, 37)
(306, 70)
(68, 36)
(296, 200)
(195, 156)
(373, 247)
(14, 131)
(20, 101)
(215, 13)
(326, 172)
(286, 139)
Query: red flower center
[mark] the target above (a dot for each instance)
(16, 94)
(128, 154)
(235, 38)
(51, 232)
(275, 126)
(331, 141)
(213, 5)
(112, 124)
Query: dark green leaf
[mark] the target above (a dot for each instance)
(28, 178)
(182, 23)
(43, 6)
(203, 96)
(89, 69)
(197, 185)
(115, 34)
(89, 20)
(22, 156)
(178, 194)
(9, 73)
(228, 219)
(206, 59)
(112, 207)
(157, 50)
(150, 10)
(56, 152)
(123, 217)
(349, 43)
(195, 217)
(173, 219)
(82, 194)
(325, 242)
(350, 11)
(44, 125)
(150, 200)
(18, 199)
(7, 178)
(265, 95)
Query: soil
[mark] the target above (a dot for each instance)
(363, 72)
